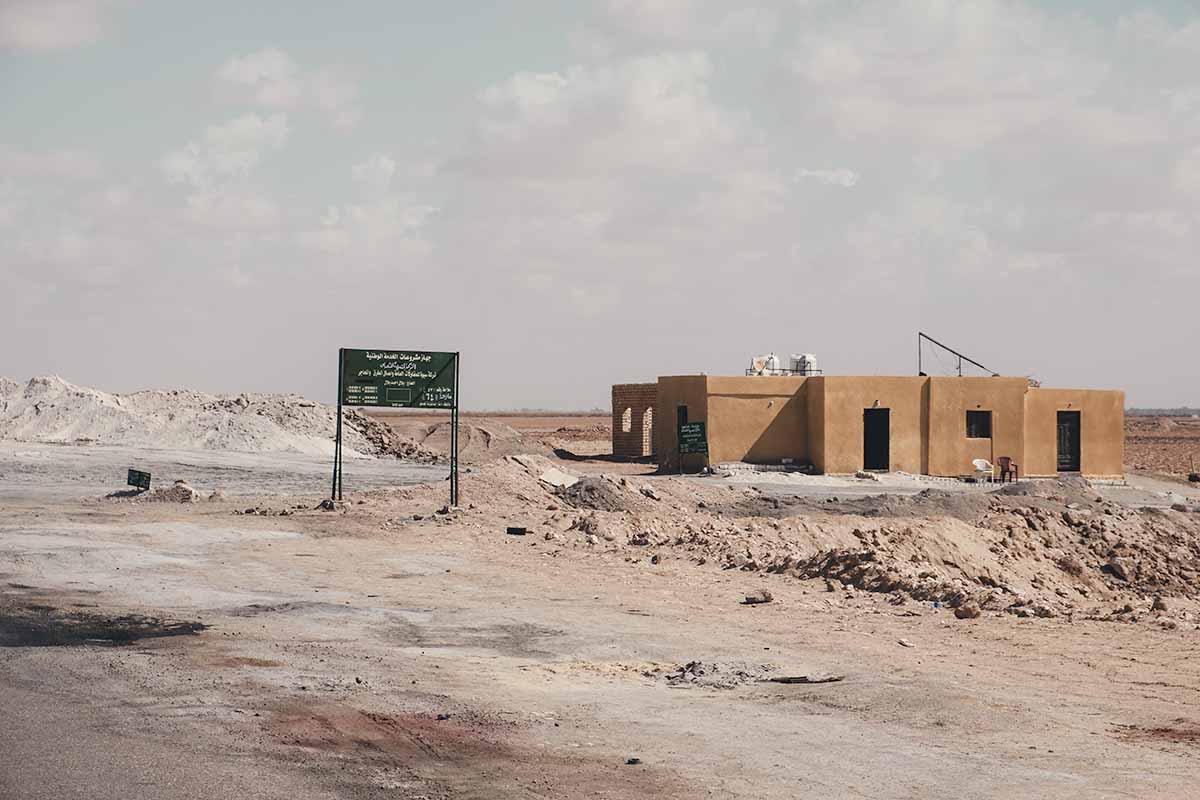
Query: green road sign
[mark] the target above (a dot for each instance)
(693, 438)
(139, 479)
(398, 379)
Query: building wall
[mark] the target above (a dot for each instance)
(844, 402)
(1102, 431)
(815, 388)
(950, 452)
(689, 390)
(758, 419)
(819, 420)
(633, 404)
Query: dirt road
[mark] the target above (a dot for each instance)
(364, 653)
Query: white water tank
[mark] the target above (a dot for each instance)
(764, 365)
(804, 363)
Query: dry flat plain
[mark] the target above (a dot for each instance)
(253, 646)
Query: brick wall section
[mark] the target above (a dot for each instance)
(633, 406)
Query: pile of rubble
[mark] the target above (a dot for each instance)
(49, 409)
(1034, 549)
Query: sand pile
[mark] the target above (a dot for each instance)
(49, 409)
(1036, 549)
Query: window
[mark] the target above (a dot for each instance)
(627, 420)
(979, 424)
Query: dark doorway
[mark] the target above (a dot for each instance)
(681, 415)
(1068, 441)
(877, 425)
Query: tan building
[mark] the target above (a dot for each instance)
(933, 426)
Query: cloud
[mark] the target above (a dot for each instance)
(375, 173)
(690, 22)
(834, 177)
(386, 233)
(226, 152)
(274, 80)
(48, 25)
(54, 164)
(270, 73)
(386, 229)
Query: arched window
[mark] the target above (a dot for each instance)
(648, 432)
(627, 420)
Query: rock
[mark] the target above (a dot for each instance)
(1159, 604)
(557, 478)
(905, 643)
(592, 539)
(324, 505)
(1186, 509)
(640, 539)
(967, 610)
(551, 536)
(1120, 568)
(758, 598)
(1075, 518)
(1044, 611)
(216, 495)
(648, 491)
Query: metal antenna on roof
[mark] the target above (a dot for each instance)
(961, 358)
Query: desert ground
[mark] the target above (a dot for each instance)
(741, 635)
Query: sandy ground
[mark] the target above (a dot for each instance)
(190, 651)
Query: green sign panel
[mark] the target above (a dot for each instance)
(398, 378)
(693, 438)
(139, 479)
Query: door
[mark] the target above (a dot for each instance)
(877, 425)
(1068, 441)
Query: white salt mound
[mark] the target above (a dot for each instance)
(49, 409)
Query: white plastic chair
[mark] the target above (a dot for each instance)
(984, 467)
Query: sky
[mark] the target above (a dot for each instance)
(219, 195)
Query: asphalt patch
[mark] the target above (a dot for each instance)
(34, 625)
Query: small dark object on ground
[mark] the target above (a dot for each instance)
(758, 598)
(326, 505)
(807, 679)
(1194, 477)
(633, 761)
(443, 717)
(516, 531)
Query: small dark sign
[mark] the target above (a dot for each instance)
(693, 438)
(139, 479)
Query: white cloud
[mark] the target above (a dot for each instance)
(375, 173)
(371, 236)
(336, 96)
(270, 72)
(691, 22)
(55, 164)
(653, 110)
(275, 80)
(228, 151)
(48, 25)
(833, 177)
(232, 210)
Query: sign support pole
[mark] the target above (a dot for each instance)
(454, 440)
(336, 490)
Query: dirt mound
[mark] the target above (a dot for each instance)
(50, 409)
(602, 493)
(478, 441)
(716, 674)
